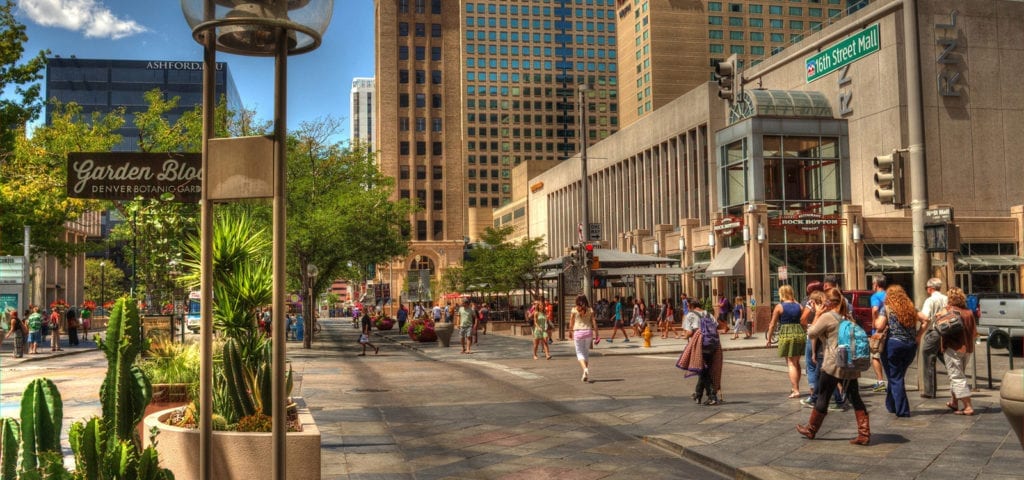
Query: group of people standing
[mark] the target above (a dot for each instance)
(810, 329)
(29, 329)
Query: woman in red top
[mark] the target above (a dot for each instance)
(956, 352)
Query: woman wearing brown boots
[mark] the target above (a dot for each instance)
(825, 330)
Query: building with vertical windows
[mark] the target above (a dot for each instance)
(467, 90)
(668, 47)
(361, 111)
(105, 85)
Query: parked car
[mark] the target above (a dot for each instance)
(1003, 315)
(860, 303)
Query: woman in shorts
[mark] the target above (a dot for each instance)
(540, 329)
(792, 336)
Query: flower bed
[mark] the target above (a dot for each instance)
(422, 331)
(383, 323)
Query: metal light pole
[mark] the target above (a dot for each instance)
(588, 281)
(311, 273)
(103, 285)
(268, 28)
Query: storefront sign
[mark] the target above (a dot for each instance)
(809, 221)
(12, 270)
(127, 175)
(843, 53)
(728, 225)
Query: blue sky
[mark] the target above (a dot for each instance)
(318, 82)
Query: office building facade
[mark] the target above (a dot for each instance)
(361, 111)
(103, 85)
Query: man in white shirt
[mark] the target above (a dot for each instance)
(935, 302)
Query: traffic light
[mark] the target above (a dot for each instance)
(728, 85)
(889, 178)
(600, 282)
(588, 252)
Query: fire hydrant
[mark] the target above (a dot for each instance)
(647, 336)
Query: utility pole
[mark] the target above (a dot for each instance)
(915, 137)
(588, 283)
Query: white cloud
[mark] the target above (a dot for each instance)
(88, 16)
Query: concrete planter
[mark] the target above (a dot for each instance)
(444, 333)
(1011, 398)
(237, 454)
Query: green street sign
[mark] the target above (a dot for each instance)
(850, 50)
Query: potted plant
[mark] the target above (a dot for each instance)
(422, 330)
(384, 322)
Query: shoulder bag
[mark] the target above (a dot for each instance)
(949, 325)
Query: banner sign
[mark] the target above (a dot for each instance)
(127, 175)
(12, 270)
(728, 225)
(809, 221)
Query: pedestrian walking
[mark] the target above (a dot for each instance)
(540, 329)
(584, 330)
(703, 354)
(364, 336)
(668, 315)
(897, 322)
(930, 341)
(638, 317)
(878, 283)
(826, 331)
(740, 320)
(957, 350)
(55, 317)
(792, 336)
(18, 328)
(403, 316)
(35, 330)
(724, 311)
(71, 320)
(467, 325)
(617, 323)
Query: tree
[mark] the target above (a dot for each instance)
(340, 216)
(498, 265)
(33, 180)
(103, 283)
(15, 113)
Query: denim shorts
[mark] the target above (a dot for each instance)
(34, 337)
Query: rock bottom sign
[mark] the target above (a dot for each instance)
(833, 58)
(127, 175)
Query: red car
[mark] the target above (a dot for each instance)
(860, 302)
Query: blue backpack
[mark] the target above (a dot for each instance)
(708, 331)
(853, 353)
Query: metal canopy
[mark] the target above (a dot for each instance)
(896, 263)
(615, 259)
(789, 103)
(728, 263)
(975, 261)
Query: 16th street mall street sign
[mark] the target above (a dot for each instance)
(843, 53)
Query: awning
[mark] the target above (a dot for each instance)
(977, 261)
(896, 263)
(728, 263)
(638, 271)
(696, 267)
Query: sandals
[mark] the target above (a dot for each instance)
(952, 407)
(964, 412)
(794, 395)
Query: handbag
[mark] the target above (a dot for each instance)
(949, 325)
(877, 342)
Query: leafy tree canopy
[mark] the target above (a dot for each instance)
(499, 265)
(18, 80)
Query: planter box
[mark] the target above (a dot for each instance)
(238, 454)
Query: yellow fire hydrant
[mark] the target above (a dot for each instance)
(647, 335)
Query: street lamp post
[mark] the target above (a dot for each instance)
(268, 28)
(588, 283)
(311, 273)
(103, 285)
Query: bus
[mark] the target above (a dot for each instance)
(192, 315)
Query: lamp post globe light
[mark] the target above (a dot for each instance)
(261, 28)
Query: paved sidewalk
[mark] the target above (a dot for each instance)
(752, 434)
(84, 345)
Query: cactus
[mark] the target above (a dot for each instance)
(125, 391)
(85, 442)
(42, 411)
(10, 433)
(237, 382)
(249, 385)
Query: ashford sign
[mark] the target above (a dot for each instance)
(128, 175)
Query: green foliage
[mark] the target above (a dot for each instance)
(18, 80)
(103, 283)
(220, 423)
(242, 278)
(498, 265)
(247, 380)
(340, 211)
(125, 391)
(172, 363)
(257, 422)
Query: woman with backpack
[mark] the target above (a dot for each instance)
(792, 338)
(957, 349)
(703, 354)
(825, 331)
